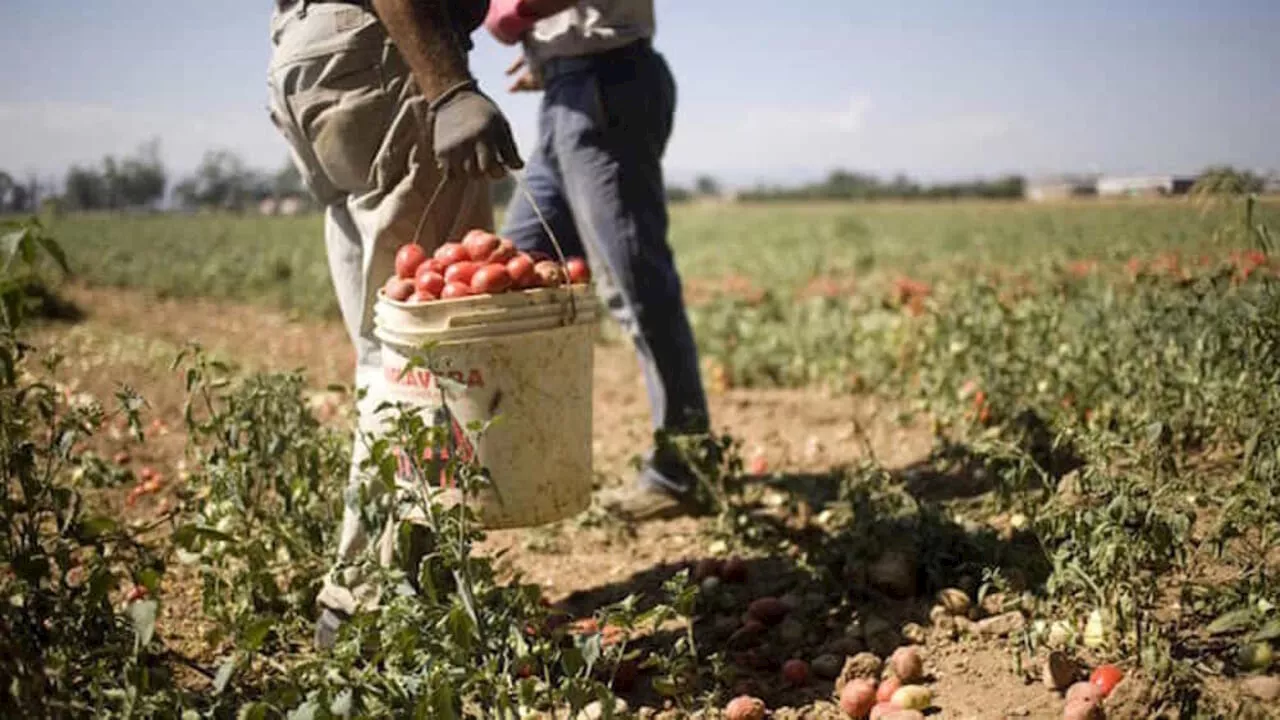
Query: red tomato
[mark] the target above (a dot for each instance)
(491, 279)
(578, 270)
(884, 709)
(461, 272)
(858, 697)
(887, 688)
(1105, 678)
(504, 252)
(450, 253)
(408, 258)
(549, 273)
(796, 672)
(520, 268)
(420, 298)
(480, 244)
(435, 265)
(398, 288)
(428, 282)
(455, 290)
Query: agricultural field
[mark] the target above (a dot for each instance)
(1033, 445)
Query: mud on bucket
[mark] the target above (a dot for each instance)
(524, 358)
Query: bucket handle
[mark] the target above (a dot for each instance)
(555, 242)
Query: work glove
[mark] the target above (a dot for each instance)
(471, 136)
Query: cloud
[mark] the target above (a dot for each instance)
(847, 120)
(796, 142)
(762, 143)
(47, 137)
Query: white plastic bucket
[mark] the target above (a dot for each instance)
(524, 358)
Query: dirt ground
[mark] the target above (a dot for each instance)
(128, 337)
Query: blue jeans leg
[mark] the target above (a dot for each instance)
(604, 130)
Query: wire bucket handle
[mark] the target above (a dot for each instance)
(542, 220)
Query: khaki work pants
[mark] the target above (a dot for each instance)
(358, 131)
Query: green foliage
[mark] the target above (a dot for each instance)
(270, 481)
(68, 651)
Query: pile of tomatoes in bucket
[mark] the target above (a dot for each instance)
(481, 264)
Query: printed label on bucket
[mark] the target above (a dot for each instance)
(422, 379)
(459, 445)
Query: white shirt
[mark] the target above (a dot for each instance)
(591, 26)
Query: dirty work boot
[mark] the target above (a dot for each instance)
(654, 495)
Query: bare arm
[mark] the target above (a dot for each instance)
(422, 33)
(469, 135)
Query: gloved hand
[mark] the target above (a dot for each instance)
(508, 20)
(471, 136)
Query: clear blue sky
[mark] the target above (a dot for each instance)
(768, 91)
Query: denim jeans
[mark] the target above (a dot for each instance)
(596, 175)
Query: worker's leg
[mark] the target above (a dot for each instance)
(354, 121)
(543, 183)
(611, 125)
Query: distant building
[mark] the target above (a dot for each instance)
(1145, 185)
(289, 205)
(1059, 188)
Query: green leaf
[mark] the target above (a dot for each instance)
(590, 646)
(1234, 621)
(305, 711)
(54, 250)
(185, 536)
(665, 687)
(343, 704)
(212, 534)
(252, 711)
(9, 244)
(256, 633)
(445, 702)
(143, 615)
(1270, 631)
(150, 579)
(461, 628)
(223, 678)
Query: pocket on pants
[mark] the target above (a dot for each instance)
(345, 121)
(313, 177)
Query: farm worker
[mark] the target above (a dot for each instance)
(596, 175)
(377, 103)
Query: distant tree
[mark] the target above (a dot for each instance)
(140, 180)
(134, 182)
(288, 181)
(21, 200)
(1227, 180)
(6, 188)
(223, 181)
(85, 189)
(706, 186)
(677, 194)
